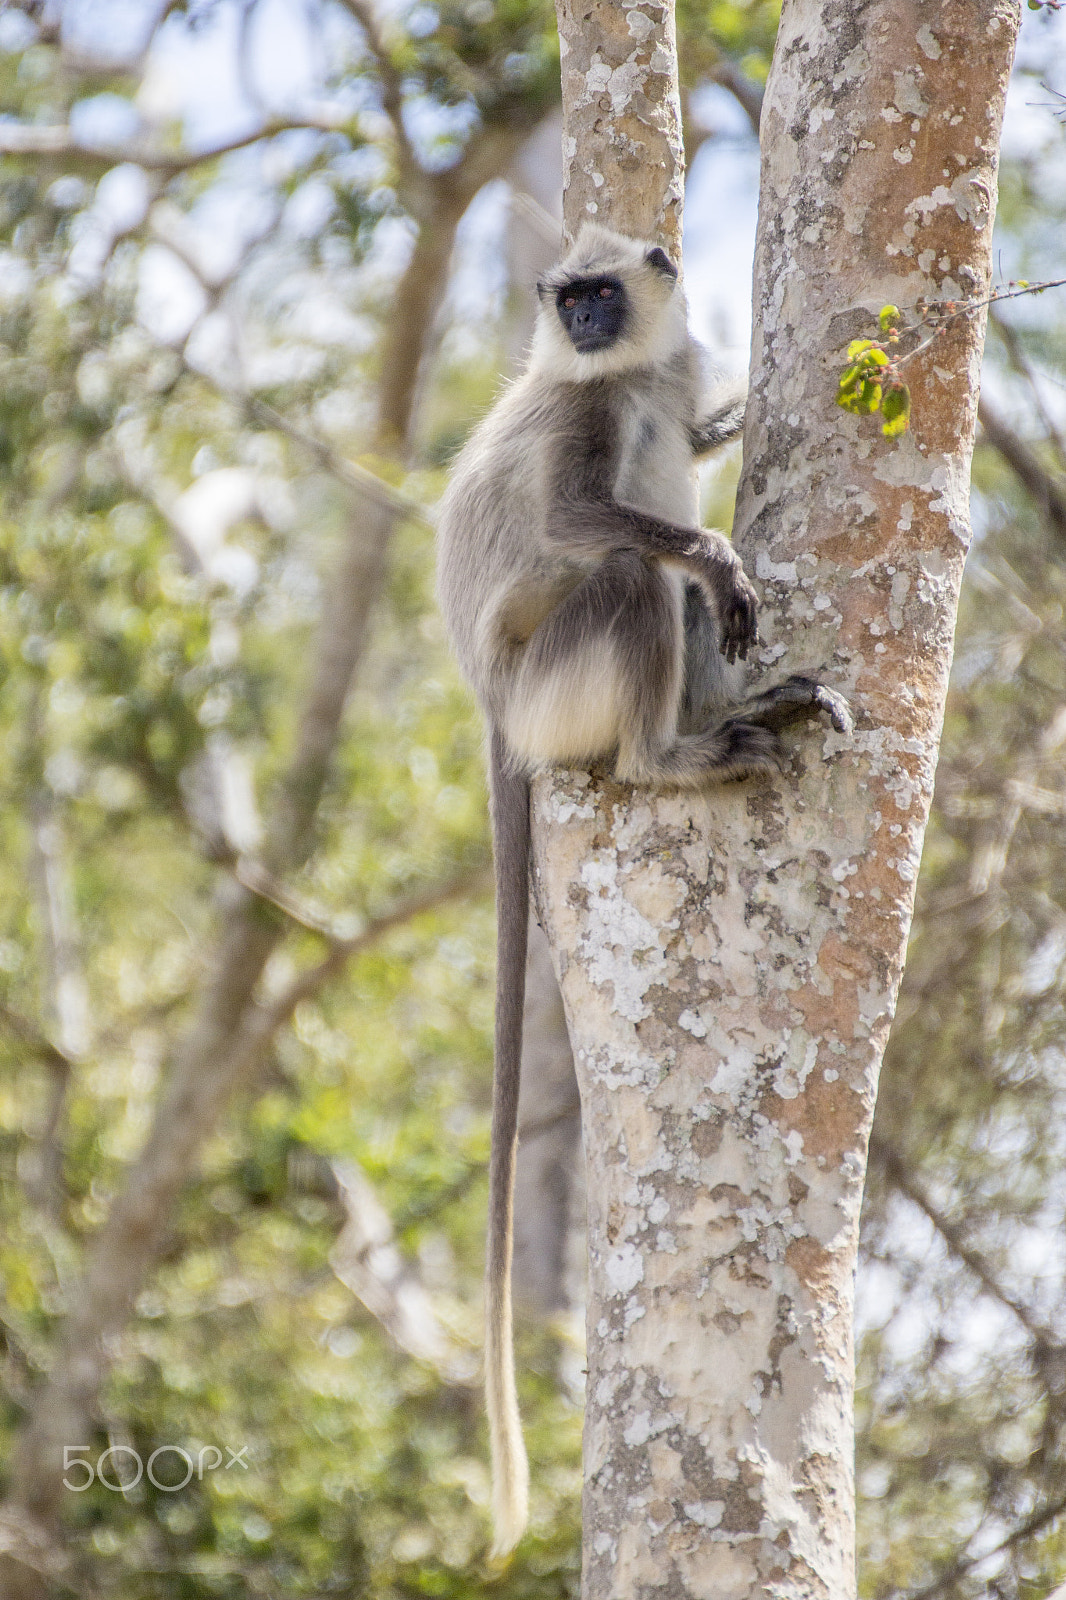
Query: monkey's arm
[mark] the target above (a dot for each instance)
(588, 524)
(722, 423)
(719, 407)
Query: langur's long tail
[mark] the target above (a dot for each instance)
(510, 833)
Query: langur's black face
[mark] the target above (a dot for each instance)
(593, 311)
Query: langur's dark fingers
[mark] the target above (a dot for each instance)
(740, 626)
(750, 643)
(825, 699)
(839, 711)
(797, 698)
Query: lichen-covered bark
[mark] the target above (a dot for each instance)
(622, 160)
(730, 962)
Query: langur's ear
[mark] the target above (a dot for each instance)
(658, 258)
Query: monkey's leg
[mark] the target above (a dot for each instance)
(601, 675)
(794, 700)
(645, 630)
(575, 685)
(589, 526)
(724, 753)
(713, 687)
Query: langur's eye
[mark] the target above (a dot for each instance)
(570, 300)
(606, 292)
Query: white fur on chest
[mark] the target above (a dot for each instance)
(656, 470)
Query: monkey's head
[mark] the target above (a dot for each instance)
(610, 304)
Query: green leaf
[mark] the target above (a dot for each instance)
(849, 389)
(869, 399)
(887, 317)
(896, 411)
(857, 346)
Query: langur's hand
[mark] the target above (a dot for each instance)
(738, 612)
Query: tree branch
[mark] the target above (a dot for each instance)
(368, 1261)
(964, 1564)
(58, 140)
(895, 1170)
(34, 1040)
(344, 950)
(230, 1033)
(359, 478)
(745, 91)
(1022, 366)
(1049, 494)
(391, 85)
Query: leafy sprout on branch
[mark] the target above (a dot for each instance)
(873, 381)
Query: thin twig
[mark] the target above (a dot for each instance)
(745, 91)
(22, 139)
(367, 484)
(1030, 471)
(34, 1039)
(945, 319)
(279, 1011)
(549, 227)
(391, 83)
(1021, 364)
(254, 876)
(964, 1564)
(348, 472)
(895, 1169)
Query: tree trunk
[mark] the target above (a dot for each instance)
(730, 962)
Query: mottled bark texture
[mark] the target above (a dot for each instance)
(730, 963)
(622, 152)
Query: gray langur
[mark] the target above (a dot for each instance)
(597, 622)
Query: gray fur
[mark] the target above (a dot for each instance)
(597, 621)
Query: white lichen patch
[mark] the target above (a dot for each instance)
(790, 1078)
(639, 25)
(927, 42)
(705, 1513)
(693, 1023)
(780, 571)
(907, 95)
(620, 946)
(735, 1071)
